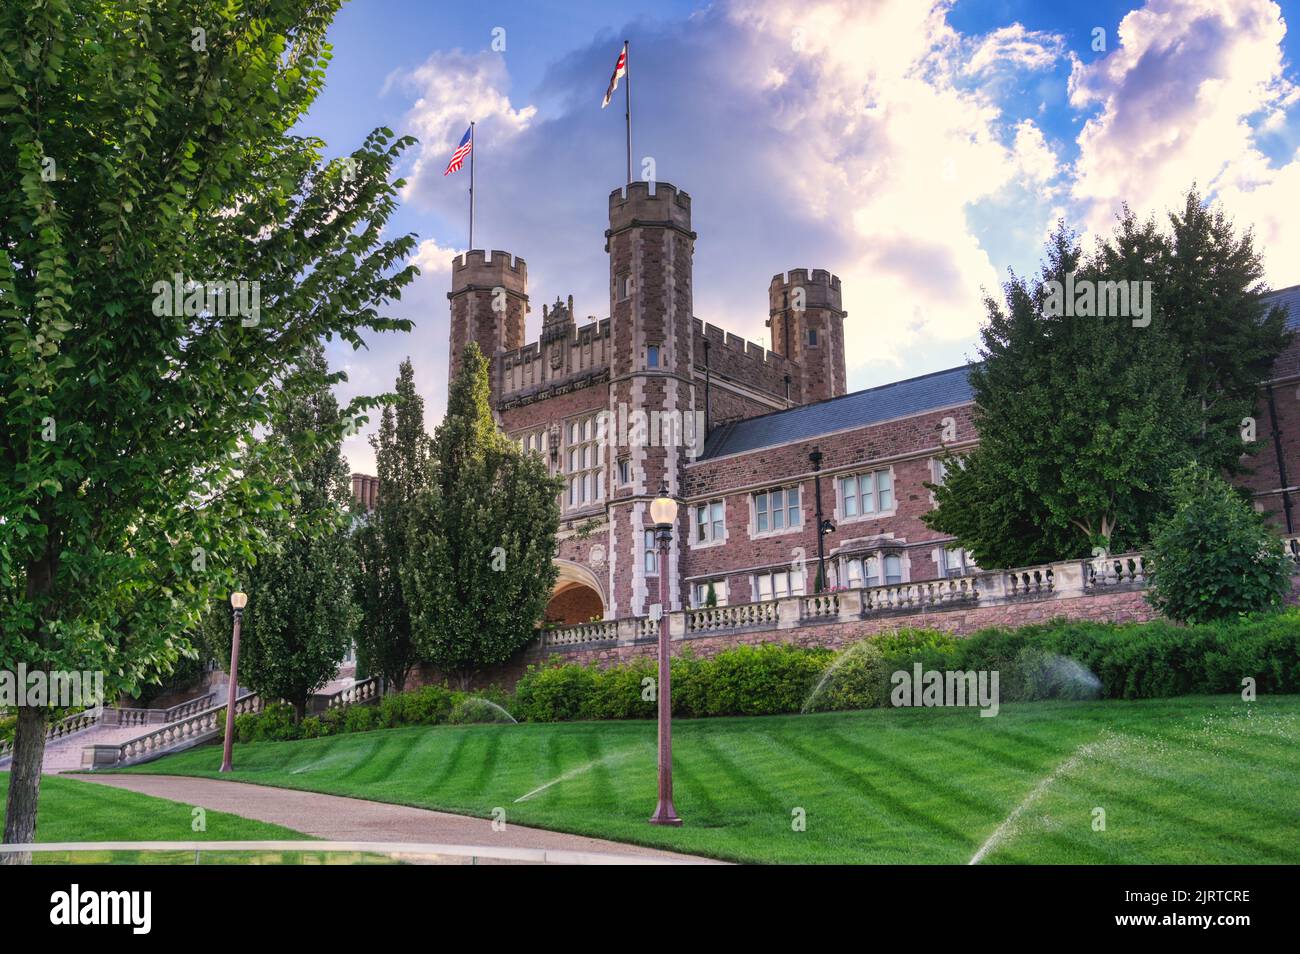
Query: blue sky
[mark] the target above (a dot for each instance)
(917, 149)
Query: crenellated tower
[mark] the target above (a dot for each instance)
(806, 316)
(651, 249)
(489, 305)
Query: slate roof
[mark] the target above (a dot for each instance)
(883, 403)
(1290, 298)
(900, 399)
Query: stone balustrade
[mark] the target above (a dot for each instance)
(741, 616)
(169, 737)
(70, 725)
(358, 693)
(1056, 581)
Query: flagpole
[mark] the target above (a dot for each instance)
(471, 185)
(627, 98)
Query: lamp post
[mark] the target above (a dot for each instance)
(663, 511)
(824, 526)
(237, 602)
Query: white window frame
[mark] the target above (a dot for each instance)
(866, 484)
(778, 583)
(873, 569)
(766, 509)
(700, 591)
(584, 475)
(955, 562)
(714, 526)
(650, 549)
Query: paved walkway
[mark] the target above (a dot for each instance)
(335, 818)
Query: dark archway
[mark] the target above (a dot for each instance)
(574, 603)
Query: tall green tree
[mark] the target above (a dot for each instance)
(480, 566)
(1081, 419)
(1211, 283)
(402, 454)
(1084, 420)
(301, 616)
(149, 156)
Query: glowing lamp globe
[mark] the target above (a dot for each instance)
(663, 509)
(238, 600)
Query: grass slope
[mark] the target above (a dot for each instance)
(1204, 779)
(82, 811)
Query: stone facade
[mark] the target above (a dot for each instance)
(621, 406)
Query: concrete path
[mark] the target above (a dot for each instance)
(335, 818)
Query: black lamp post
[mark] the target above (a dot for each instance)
(824, 526)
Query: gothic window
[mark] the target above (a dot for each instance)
(651, 554)
(582, 463)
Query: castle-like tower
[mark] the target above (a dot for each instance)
(489, 304)
(807, 321)
(651, 248)
(617, 405)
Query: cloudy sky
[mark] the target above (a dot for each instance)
(918, 150)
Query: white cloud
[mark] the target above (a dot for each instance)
(452, 89)
(1014, 46)
(1178, 103)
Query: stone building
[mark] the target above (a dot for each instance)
(748, 439)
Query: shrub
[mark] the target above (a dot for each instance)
(360, 719)
(555, 693)
(1213, 557)
(857, 678)
(619, 692)
(273, 724)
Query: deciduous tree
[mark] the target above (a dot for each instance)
(168, 251)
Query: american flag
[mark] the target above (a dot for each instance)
(620, 69)
(458, 157)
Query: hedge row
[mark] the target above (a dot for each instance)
(1058, 660)
(428, 705)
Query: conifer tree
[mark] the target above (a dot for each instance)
(480, 566)
(384, 643)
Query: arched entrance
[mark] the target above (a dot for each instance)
(577, 596)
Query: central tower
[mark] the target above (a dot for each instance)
(652, 399)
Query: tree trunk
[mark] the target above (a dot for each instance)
(25, 781)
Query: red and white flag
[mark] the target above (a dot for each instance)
(620, 69)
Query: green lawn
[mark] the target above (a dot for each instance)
(1202, 779)
(80, 811)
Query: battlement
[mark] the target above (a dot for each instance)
(479, 268)
(821, 288)
(553, 361)
(635, 204)
(744, 361)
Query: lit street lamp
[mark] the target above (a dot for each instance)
(663, 511)
(237, 602)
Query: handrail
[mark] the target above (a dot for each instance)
(187, 731)
(68, 725)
